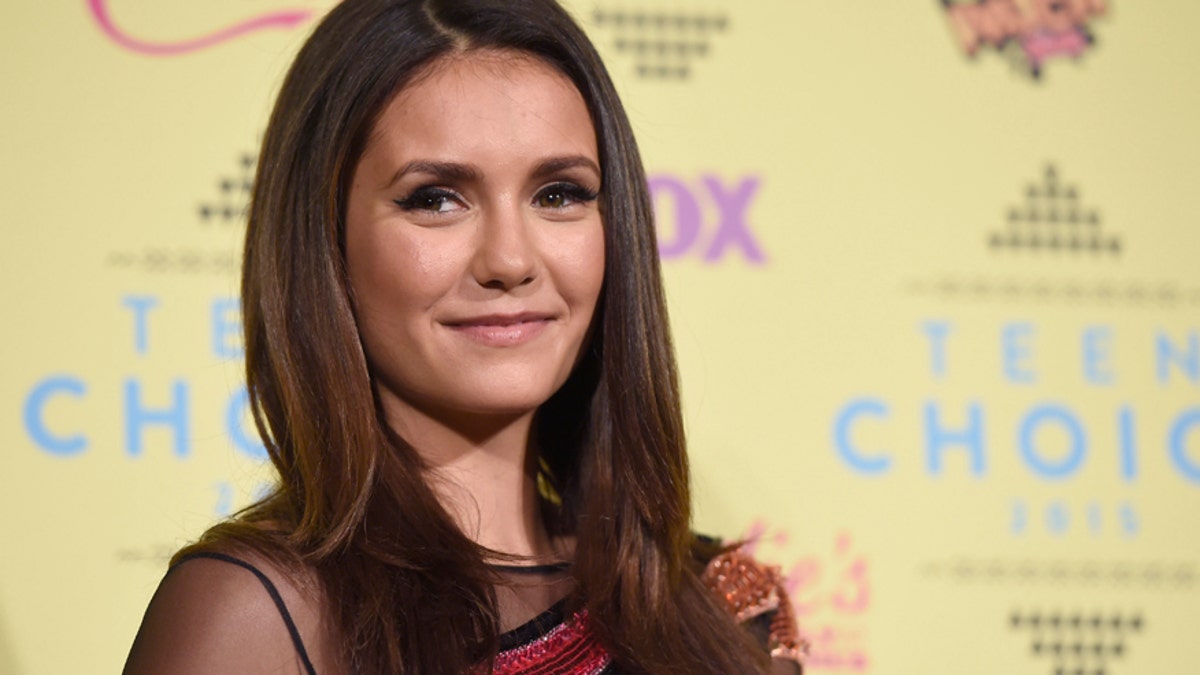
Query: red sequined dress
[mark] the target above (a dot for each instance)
(555, 644)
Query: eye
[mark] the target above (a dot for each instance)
(562, 195)
(434, 199)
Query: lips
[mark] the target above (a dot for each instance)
(501, 330)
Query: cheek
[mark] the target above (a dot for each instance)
(581, 265)
(394, 269)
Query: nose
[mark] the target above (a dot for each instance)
(505, 256)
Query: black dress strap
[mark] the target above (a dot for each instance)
(271, 590)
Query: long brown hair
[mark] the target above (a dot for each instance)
(407, 589)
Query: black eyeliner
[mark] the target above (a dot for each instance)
(418, 199)
(574, 191)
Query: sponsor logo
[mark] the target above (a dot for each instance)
(1061, 412)
(1030, 32)
(707, 217)
(160, 407)
(1018, 417)
(159, 414)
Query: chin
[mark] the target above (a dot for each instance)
(504, 405)
(507, 393)
(467, 400)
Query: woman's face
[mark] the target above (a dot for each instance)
(474, 240)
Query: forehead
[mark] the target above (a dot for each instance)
(478, 98)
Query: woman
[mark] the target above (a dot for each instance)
(458, 358)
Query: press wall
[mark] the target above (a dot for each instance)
(933, 275)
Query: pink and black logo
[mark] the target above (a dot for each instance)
(1029, 32)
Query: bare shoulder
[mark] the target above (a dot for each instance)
(233, 612)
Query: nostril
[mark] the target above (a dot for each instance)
(501, 284)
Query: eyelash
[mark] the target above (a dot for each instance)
(577, 194)
(423, 198)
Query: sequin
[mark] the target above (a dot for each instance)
(569, 649)
(749, 589)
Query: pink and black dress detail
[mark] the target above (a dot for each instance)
(552, 644)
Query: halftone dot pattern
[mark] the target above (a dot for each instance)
(166, 260)
(1074, 642)
(1161, 574)
(1053, 219)
(225, 208)
(978, 289)
(663, 45)
(228, 205)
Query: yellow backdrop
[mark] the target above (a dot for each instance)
(933, 277)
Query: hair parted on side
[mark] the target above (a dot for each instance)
(408, 590)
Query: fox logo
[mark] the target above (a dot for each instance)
(1032, 31)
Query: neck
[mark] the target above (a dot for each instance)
(483, 470)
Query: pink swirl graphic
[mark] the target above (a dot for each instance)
(278, 19)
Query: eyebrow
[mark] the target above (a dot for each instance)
(454, 171)
(555, 164)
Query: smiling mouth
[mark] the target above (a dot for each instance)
(501, 330)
